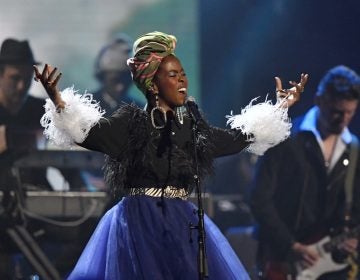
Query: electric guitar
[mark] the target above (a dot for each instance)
(325, 263)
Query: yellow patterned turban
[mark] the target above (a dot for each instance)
(149, 50)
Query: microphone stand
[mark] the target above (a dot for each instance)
(202, 261)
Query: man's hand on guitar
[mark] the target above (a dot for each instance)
(309, 256)
(349, 245)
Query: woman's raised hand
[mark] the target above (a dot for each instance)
(49, 78)
(288, 97)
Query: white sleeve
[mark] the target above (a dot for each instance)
(72, 124)
(265, 124)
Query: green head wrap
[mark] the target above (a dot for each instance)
(149, 50)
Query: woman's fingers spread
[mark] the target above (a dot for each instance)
(54, 83)
(52, 74)
(278, 84)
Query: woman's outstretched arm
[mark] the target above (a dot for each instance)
(49, 78)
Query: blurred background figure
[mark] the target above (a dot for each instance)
(20, 138)
(302, 191)
(20, 130)
(19, 134)
(19, 112)
(113, 74)
(114, 78)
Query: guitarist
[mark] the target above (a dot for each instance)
(298, 194)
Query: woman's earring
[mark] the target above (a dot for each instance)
(161, 110)
(179, 115)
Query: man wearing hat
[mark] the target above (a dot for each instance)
(18, 110)
(19, 125)
(114, 78)
(20, 113)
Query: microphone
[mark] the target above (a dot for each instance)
(193, 109)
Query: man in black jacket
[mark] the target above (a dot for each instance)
(18, 110)
(20, 128)
(20, 113)
(298, 193)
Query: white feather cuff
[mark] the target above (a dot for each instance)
(72, 124)
(265, 124)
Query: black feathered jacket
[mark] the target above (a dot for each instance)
(140, 156)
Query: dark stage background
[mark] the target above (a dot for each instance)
(244, 44)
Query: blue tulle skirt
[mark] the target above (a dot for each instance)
(144, 237)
